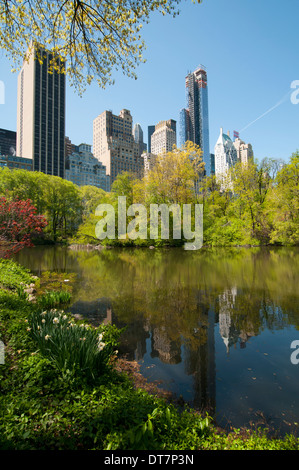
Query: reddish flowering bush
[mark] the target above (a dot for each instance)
(19, 223)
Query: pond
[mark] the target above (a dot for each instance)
(212, 326)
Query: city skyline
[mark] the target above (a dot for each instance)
(244, 92)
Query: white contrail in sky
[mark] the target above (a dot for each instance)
(269, 110)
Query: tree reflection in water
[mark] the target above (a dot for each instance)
(189, 314)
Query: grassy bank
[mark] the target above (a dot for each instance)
(62, 386)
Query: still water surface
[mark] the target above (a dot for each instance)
(213, 326)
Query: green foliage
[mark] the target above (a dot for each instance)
(12, 275)
(89, 39)
(90, 196)
(53, 299)
(79, 349)
(258, 206)
(284, 204)
(55, 198)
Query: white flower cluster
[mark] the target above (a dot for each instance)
(59, 318)
(101, 344)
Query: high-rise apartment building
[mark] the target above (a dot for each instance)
(184, 127)
(82, 168)
(225, 154)
(194, 121)
(244, 151)
(41, 113)
(114, 144)
(164, 137)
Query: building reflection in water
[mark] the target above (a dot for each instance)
(197, 354)
(229, 332)
(199, 361)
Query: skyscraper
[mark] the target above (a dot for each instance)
(138, 133)
(114, 144)
(151, 130)
(41, 113)
(164, 137)
(244, 151)
(225, 154)
(138, 137)
(184, 127)
(195, 120)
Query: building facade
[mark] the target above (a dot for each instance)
(184, 127)
(244, 151)
(149, 160)
(212, 164)
(138, 137)
(83, 169)
(16, 163)
(150, 131)
(41, 113)
(114, 144)
(69, 148)
(8, 142)
(225, 154)
(194, 120)
(164, 137)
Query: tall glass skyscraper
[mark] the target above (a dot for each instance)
(41, 113)
(194, 121)
(138, 137)
(151, 130)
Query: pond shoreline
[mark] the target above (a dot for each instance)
(114, 275)
(90, 246)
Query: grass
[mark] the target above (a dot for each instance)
(64, 395)
(53, 299)
(12, 275)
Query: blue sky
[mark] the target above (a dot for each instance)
(250, 50)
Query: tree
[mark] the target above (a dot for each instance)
(284, 201)
(123, 185)
(64, 208)
(174, 175)
(91, 197)
(90, 38)
(59, 200)
(23, 184)
(19, 223)
(251, 184)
